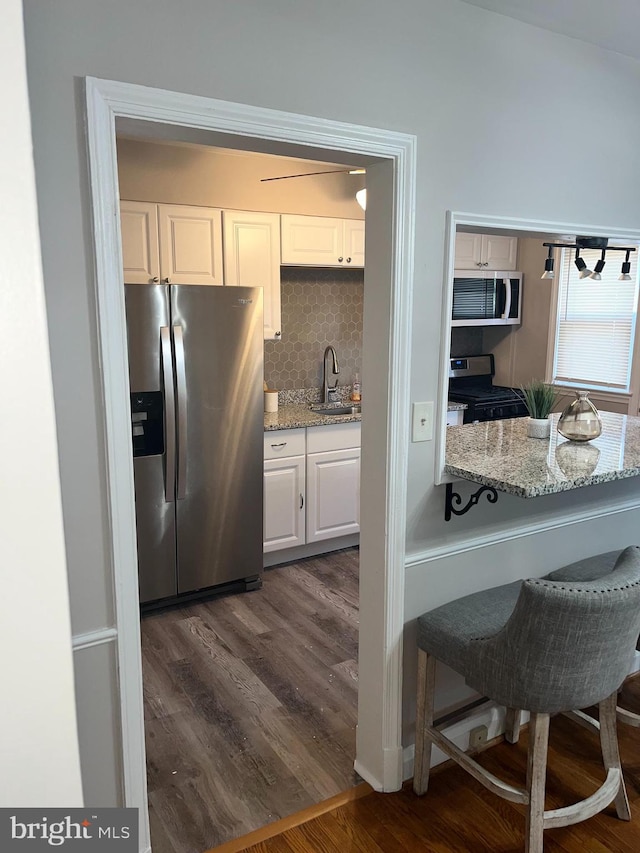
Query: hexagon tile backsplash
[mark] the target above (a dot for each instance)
(319, 307)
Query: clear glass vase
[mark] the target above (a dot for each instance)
(580, 421)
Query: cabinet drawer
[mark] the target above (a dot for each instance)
(333, 437)
(284, 442)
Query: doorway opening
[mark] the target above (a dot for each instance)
(390, 161)
(250, 700)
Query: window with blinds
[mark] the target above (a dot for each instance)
(595, 323)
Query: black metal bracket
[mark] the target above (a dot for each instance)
(454, 498)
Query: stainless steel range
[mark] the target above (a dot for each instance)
(471, 382)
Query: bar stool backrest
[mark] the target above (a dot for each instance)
(566, 645)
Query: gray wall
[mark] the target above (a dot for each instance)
(497, 133)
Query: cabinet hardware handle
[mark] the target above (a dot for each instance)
(155, 279)
(485, 264)
(167, 280)
(340, 260)
(278, 334)
(301, 501)
(478, 263)
(348, 260)
(282, 444)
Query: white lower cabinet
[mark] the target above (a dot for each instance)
(284, 488)
(333, 481)
(311, 495)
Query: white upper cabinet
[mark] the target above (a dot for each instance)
(177, 244)
(354, 242)
(140, 244)
(252, 259)
(485, 252)
(190, 244)
(321, 241)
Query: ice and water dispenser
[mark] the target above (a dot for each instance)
(147, 423)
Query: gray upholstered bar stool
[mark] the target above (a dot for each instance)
(544, 646)
(590, 569)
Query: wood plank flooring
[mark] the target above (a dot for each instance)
(251, 703)
(458, 815)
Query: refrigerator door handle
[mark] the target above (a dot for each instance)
(169, 415)
(181, 393)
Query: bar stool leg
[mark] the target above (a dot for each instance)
(610, 753)
(424, 721)
(512, 725)
(536, 779)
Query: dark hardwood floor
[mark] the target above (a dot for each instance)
(458, 815)
(251, 703)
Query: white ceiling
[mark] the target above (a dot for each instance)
(612, 24)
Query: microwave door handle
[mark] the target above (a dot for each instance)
(507, 298)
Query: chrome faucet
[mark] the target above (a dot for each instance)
(329, 393)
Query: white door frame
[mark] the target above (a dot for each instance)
(379, 749)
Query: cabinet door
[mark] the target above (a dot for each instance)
(498, 252)
(190, 244)
(252, 259)
(468, 250)
(284, 489)
(139, 230)
(312, 241)
(333, 494)
(354, 242)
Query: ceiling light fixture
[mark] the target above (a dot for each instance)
(581, 243)
(361, 198)
(626, 268)
(598, 267)
(548, 265)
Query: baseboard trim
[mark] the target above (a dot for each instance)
(93, 638)
(279, 826)
(473, 543)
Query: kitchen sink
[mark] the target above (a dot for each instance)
(332, 411)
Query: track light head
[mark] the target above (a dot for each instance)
(598, 268)
(626, 268)
(583, 270)
(548, 265)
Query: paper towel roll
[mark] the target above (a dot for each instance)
(271, 401)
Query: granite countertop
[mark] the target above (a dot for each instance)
(499, 454)
(456, 407)
(294, 415)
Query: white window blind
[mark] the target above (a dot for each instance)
(595, 323)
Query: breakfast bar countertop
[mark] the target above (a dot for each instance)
(500, 455)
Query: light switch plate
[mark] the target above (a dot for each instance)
(422, 421)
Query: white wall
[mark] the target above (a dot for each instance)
(497, 107)
(38, 737)
(190, 174)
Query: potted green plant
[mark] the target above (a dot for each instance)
(539, 398)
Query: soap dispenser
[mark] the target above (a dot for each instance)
(356, 394)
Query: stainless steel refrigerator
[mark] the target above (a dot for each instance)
(196, 373)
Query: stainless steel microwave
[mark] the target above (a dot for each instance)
(486, 298)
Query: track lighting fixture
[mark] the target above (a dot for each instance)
(583, 269)
(598, 268)
(581, 243)
(626, 268)
(548, 265)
